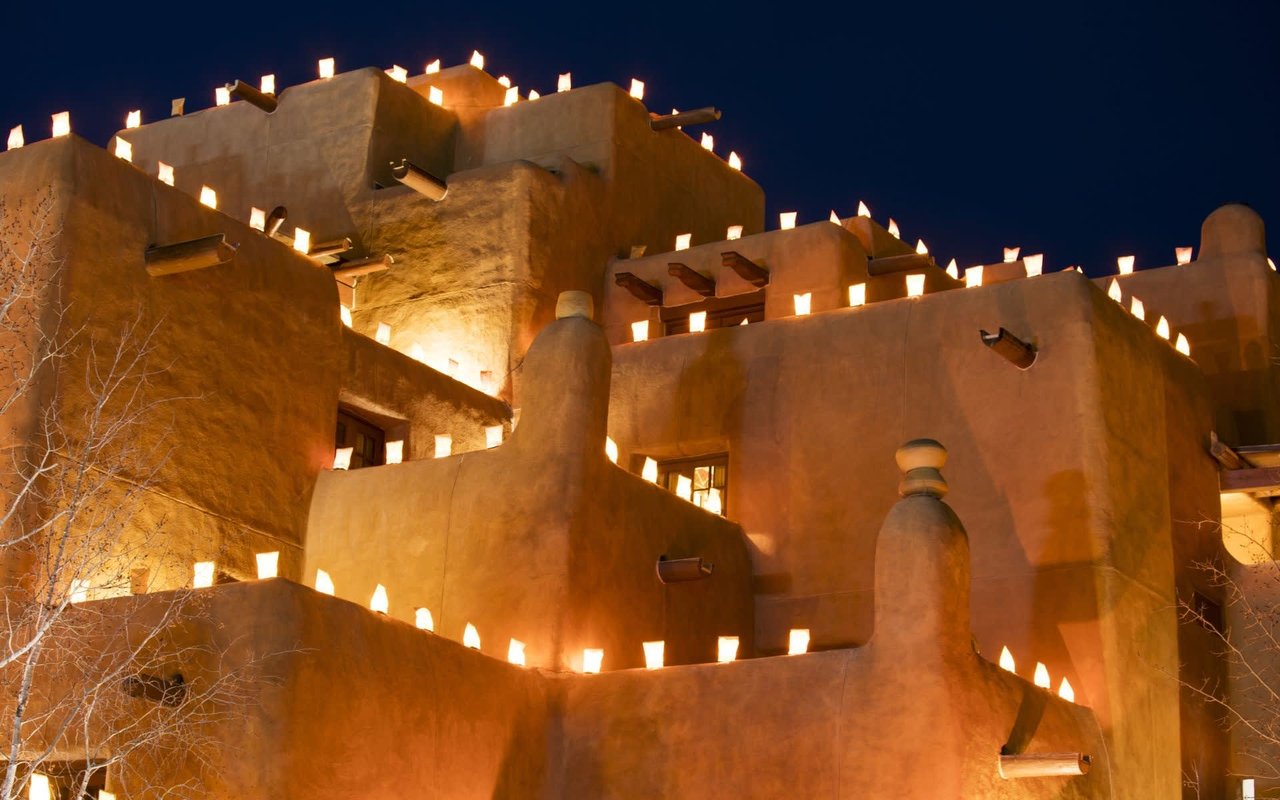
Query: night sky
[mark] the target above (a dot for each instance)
(1081, 131)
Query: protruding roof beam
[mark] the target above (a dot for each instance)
(207, 251)
(747, 269)
(694, 280)
(642, 290)
(418, 179)
(907, 262)
(1016, 351)
(252, 96)
(699, 116)
(346, 270)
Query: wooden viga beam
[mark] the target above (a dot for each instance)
(207, 251)
(252, 96)
(698, 116)
(1016, 351)
(641, 290)
(1043, 765)
(747, 269)
(346, 270)
(694, 280)
(907, 262)
(418, 179)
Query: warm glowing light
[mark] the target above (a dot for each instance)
(395, 452)
(708, 142)
(398, 73)
(202, 575)
(1182, 254)
(592, 659)
(1271, 264)
(1041, 678)
(1137, 309)
(79, 591)
(268, 84)
(834, 218)
(787, 220)
(953, 270)
(436, 95)
(477, 59)
(342, 457)
(492, 436)
(208, 197)
(324, 583)
(344, 313)
(471, 637)
(515, 652)
(713, 502)
(1162, 328)
(257, 219)
(640, 331)
(1034, 264)
(1113, 291)
(62, 123)
(734, 232)
(727, 649)
(103, 794)
(1066, 692)
(326, 67)
(1183, 346)
(1011, 254)
(653, 654)
(1125, 263)
(124, 150)
(684, 487)
(533, 94)
(973, 277)
(383, 334)
(504, 81)
(512, 96)
(683, 241)
(803, 303)
(222, 96)
(165, 174)
(611, 449)
(38, 787)
(565, 82)
(433, 67)
(858, 294)
(302, 240)
(915, 285)
(268, 564)
(16, 139)
(921, 247)
(798, 644)
(1006, 660)
(133, 119)
(422, 619)
(735, 161)
(379, 600)
(893, 228)
(1248, 789)
(417, 353)
(697, 322)
(650, 470)
(863, 211)
(637, 89)
(444, 445)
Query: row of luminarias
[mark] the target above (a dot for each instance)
(39, 787)
(1040, 677)
(394, 451)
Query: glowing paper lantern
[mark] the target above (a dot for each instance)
(1182, 254)
(417, 353)
(611, 449)
(697, 322)
(973, 277)
(1125, 263)
(735, 162)
(504, 81)
(257, 219)
(834, 218)
(324, 584)
(1183, 346)
(565, 82)
(1011, 254)
(268, 84)
(683, 241)
(653, 654)
(1034, 264)
(202, 575)
(858, 295)
(302, 240)
(592, 659)
(38, 788)
(208, 197)
(1113, 291)
(124, 150)
(383, 334)
(708, 142)
(533, 94)
(650, 470)
(492, 436)
(1162, 328)
(727, 649)
(436, 95)
(1271, 264)
(893, 229)
(165, 173)
(1137, 309)
(103, 794)
(398, 73)
(342, 457)
(422, 619)
(444, 445)
(268, 564)
(640, 331)
(133, 119)
(921, 247)
(395, 452)
(16, 139)
(1248, 789)
(326, 67)
(734, 232)
(684, 487)
(1066, 692)
(915, 285)
(1041, 678)
(471, 637)
(803, 303)
(344, 313)
(798, 644)
(515, 652)
(787, 220)
(713, 501)
(863, 211)
(62, 123)
(511, 97)
(433, 67)
(953, 270)
(1006, 660)
(379, 602)
(222, 96)
(79, 591)
(477, 59)
(637, 89)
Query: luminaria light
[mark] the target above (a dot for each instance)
(708, 142)
(344, 313)
(640, 331)
(863, 211)
(1125, 263)
(858, 295)
(477, 59)
(834, 219)
(921, 248)
(654, 652)
(1182, 254)
(1066, 692)
(492, 436)
(511, 97)
(325, 67)
(432, 68)
(515, 652)
(379, 601)
(1183, 346)
(735, 161)
(684, 487)
(973, 277)
(564, 82)
(444, 445)
(683, 240)
(637, 89)
(257, 219)
(798, 642)
(202, 575)
(893, 229)
(650, 470)
(383, 334)
(611, 449)
(787, 220)
(1113, 291)
(164, 173)
(436, 95)
(803, 303)
(697, 322)
(324, 583)
(953, 270)
(726, 649)
(1137, 309)
(38, 787)
(222, 96)
(1034, 264)
(268, 564)
(208, 197)
(734, 232)
(1162, 328)
(422, 619)
(1006, 661)
(302, 240)
(395, 452)
(592, 660)
(268, 84)
(342, 457)
(915, 285)
(398, 73)
(16, 139)
(1041, 677)
(124, 150)
(79, 591)
(133, 119)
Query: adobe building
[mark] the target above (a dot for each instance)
(535, 380)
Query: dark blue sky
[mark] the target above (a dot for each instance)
(1084, 131)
